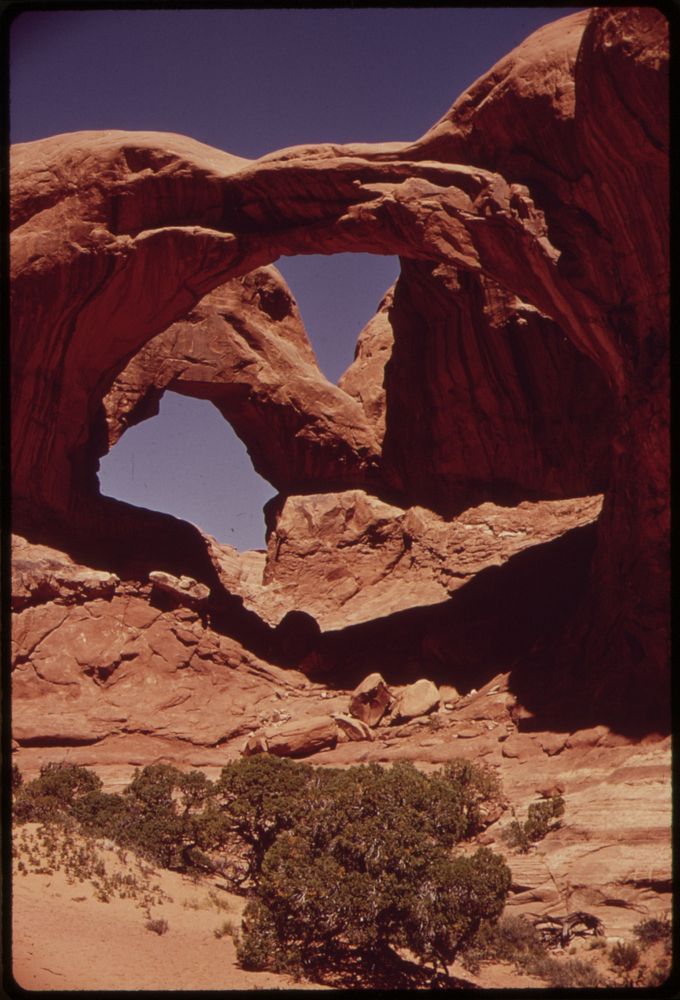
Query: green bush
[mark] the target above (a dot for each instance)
(573, 973)
(260, 797)
(51, 797)
(510, 939)
(367, 869)
(624, 956)
(343, 863)
(653, 929)
(541, 818)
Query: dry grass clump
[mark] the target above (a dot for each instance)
(44, 849)
(158, 925)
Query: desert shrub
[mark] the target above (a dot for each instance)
(573, 973)
(218, 902)
(515, 836)
(51, 797)
(541, 818)
(367, 868)
(258, 946)
(171, 818)
(653, 929)
(102, 814)
(624, 956)
(659, 974)
(479, 788)
(158, 925)
(260, 797)
(17, 778)
(226, 929)
(342, 862)
(510, 939)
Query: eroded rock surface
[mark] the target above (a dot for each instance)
(526, 335)
(348, 558)
(244, 347)
(426, 522)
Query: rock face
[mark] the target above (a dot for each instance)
(479, 506)
(42, 574)
(521, 356)
(244, 348)
(347, 558)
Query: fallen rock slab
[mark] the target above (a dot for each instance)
(370, 700)
(521, 747)
(354, 729)
(298, 738)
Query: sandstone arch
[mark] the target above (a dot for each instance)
(117, 237)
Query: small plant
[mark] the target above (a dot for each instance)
(624, 956)
(218, 902)
(158, 925)
(542, 817)
(226, 929)
(511, 939)
(574, 973)
(653, 929)
(659, 973)
(515, 836)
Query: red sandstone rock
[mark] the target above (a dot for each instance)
(354, 729)
(528, 360)
(298, 738)
(563, 208)
(40, 573)
(245, 348)
(370, 700)
(347, 558)
(417, 699)
(186, 590)
(525, 238)
(579, 113)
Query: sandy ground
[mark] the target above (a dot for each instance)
(65, 938)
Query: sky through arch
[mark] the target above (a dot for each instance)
(251, 82)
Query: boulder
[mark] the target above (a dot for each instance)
(256, 743)
(355, 729)
(184, 588)
(370, 700)
(520, 746)
(417, 699)
(449, 695)
(302, 737)
(551, 791)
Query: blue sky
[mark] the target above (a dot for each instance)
(250, 82)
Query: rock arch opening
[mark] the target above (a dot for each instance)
(337, 295)
(188, 461)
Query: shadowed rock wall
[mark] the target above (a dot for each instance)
(529, 326)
